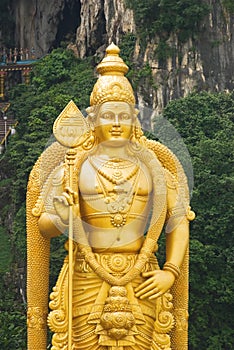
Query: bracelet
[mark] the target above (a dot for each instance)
(190, 214)
(172, 268)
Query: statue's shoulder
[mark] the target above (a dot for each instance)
(49, 176)
(173, 169)
(47, 168)
(50, 159)
(166, 157)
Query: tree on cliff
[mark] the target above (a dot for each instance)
(205, 122)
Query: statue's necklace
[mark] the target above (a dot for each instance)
(116, 176)
(119, 202)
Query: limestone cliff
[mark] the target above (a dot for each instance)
(204, 61)
(41, 24)
(102, 22)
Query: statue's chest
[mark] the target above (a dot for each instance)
(120, 181)
(118, 194)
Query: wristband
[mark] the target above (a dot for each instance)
(172, 268)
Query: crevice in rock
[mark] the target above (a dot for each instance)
(98, 36)
(70, 20)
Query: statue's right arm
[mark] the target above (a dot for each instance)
(50, 225)
(54, 217)
(56, 223)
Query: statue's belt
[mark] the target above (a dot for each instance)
(114, 263)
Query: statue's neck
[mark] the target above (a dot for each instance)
(108, 152)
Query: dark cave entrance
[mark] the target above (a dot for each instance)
(69, 22)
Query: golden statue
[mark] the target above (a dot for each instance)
(112, 191)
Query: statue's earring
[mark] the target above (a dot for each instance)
(138, 131)
(135, 144)
(90, 141)
(135, 139)
(91, 138)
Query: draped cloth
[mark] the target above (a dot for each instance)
(152, 318)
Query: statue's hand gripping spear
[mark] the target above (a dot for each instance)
(70, 129)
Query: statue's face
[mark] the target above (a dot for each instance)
(114, 123)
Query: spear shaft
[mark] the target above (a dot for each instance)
(69, 129)
(70, 159)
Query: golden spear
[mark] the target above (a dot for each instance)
(70, 130)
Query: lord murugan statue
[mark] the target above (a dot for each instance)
(113, 192)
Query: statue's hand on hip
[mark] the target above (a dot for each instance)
(158, 282)
(63, 202)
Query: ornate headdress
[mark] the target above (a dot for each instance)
(112, 85)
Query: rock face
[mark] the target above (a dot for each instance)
(102, 22)
(202, 63)
(205, 62)
(40, 24)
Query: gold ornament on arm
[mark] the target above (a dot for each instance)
(168, 266)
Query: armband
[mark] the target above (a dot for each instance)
(190, 214)
(172, 268)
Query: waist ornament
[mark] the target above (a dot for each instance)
(114, 263)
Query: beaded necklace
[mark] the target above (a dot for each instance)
(118, 203)
(117, 177)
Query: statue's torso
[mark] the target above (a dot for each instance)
(115, 202)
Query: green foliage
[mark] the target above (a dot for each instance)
(127, 46)
(164, 51)
(205, 121)
(138, 75)
(145, 14)
(53, 69)
(12, 315)
(55, 80)
(5, 251)
(163, 17)
(229, 5)
(142, 75)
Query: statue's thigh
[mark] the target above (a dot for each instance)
(84, 337)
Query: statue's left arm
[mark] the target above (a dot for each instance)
(177, 238)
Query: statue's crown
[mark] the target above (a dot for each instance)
(112, 85)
